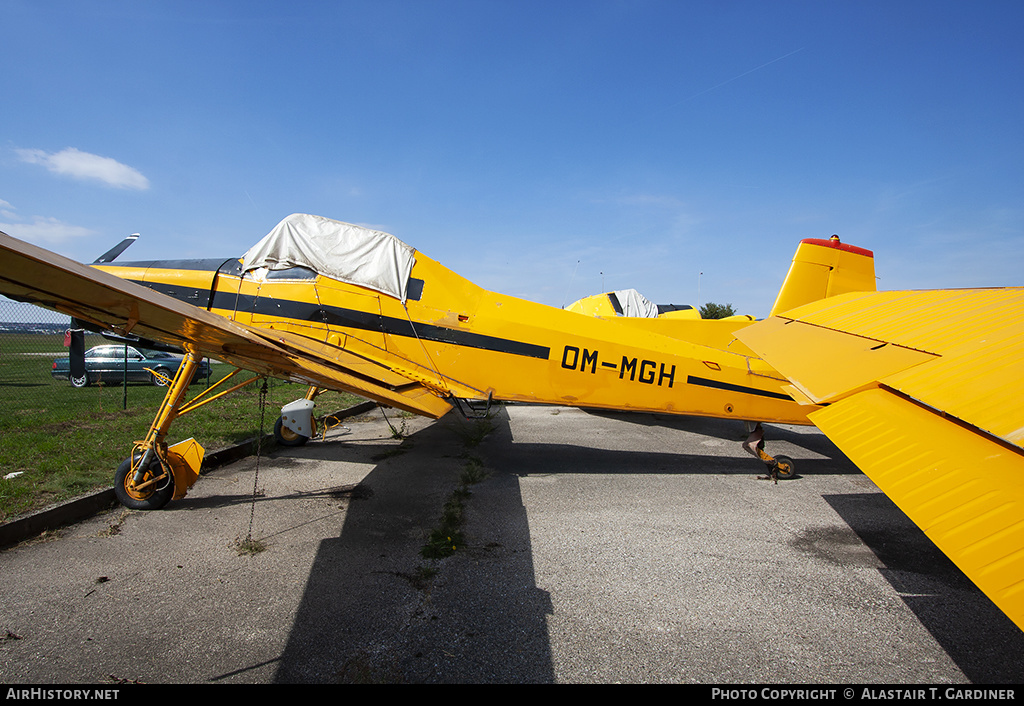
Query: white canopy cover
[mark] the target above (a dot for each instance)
(341, 251)
(634, 303)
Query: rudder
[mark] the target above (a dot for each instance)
(825, 268)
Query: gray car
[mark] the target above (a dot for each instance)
(107, 364)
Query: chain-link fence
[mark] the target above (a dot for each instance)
(34, 371)
(34, 366)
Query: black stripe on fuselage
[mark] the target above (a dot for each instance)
(718, 385)
(224, 266)
(352, 318)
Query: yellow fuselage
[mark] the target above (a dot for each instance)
(463, 341)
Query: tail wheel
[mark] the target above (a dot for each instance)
(785, 469)
(149, 497)
(287, 437)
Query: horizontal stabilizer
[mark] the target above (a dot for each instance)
(796, 349)
(957, 351)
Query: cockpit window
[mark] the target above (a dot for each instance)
(292, 273)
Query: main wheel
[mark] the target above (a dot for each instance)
(287, 437)
(151, 497)
(786, 469)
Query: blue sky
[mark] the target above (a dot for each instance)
(547, 150)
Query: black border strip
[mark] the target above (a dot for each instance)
(718, 385)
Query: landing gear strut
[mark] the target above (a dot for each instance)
(779, 467)
(156, 473)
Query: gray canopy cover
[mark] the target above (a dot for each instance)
(341, 251)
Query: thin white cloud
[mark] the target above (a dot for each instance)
(83, 165)
(43, 230)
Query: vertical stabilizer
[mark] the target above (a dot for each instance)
(825, 268)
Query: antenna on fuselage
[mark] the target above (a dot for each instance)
(569, 288)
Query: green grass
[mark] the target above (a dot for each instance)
(65, 441)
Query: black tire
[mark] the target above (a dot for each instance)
(286, 437)
(79, 382)
(150, 499)
(157, 380)
(786, 468)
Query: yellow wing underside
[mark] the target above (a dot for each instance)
(962, 489)
(924, 391)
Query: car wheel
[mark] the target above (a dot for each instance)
(159, 381)
(79, 382)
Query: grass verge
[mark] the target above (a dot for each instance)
(58, 442)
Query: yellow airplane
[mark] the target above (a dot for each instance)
(921, 389)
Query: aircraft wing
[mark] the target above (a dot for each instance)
(29, 273)
(924, 391)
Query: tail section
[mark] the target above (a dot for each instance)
(825, 268)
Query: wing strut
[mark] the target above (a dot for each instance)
(155, 473)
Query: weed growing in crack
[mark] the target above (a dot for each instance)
(445, 539)
(473, 472)
(475, 432)
(248, 546)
